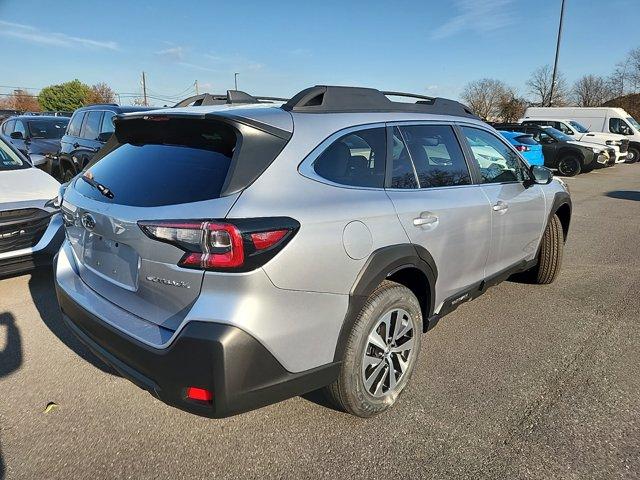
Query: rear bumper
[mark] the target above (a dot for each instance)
(41, 254)
(239, 370)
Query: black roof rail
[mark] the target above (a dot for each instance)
(336, 99)
(232, 97)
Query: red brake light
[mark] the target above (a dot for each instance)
(522, 148)
(264, 240)
(201, 394)
(242, 245)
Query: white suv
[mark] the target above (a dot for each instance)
(30, 224)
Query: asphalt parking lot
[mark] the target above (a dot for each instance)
(525, 382)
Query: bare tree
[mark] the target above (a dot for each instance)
(484, 97)
(21, 100)
(591, 91)
(511, 107)
(540, 87)
(101, 93)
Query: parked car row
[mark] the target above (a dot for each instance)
(59, 145)
(233, 254)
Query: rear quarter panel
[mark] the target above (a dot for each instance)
(317, 259)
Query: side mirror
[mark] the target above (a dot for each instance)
(541, 175)
(16, 135)
(104, 136)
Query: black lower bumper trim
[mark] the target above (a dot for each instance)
(239, 370)
(41, 258)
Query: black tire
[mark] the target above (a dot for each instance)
(569, 166)
(349, 392)
(634, 153)
(587, 169)
(550, 254)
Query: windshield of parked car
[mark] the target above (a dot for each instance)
(51, 129)
(557, 134)
(9, 160)
(633, 122)
(579, 127)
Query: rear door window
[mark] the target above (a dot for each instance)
(403, 174)
(164, 165)
(91, 127)
(356, 159)
(436, 155)
(75, 124)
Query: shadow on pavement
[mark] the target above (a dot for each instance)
(624, 195)
(2, 467)
(44, 298)
(11, 353)
(10, 357)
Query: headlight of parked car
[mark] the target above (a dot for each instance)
(57, 201)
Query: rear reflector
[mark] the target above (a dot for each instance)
(201, 394)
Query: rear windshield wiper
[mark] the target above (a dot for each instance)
(98, 186)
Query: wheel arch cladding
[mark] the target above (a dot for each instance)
(407, 264)
(562, 208)
(571, 152)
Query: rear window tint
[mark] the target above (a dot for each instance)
(165, 166)
(526, 140)
(356, 159)
(92, 125)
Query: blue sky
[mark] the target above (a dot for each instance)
(430, 47)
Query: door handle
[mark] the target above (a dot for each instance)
(425, 219)
(500, 207)
(76, 145)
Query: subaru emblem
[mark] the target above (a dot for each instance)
(88, 222)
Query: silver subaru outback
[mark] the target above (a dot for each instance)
(225, 258)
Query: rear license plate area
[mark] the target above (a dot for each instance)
(115, 261)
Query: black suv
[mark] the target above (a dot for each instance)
(90, 127)
(560, 151)
(37, 137)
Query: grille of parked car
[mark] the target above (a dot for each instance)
(22, 228)
(624, 145)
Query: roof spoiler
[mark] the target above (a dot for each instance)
(335, 99)
(232, 97)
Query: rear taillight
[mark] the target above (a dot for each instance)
(522, 148)
(241, 245)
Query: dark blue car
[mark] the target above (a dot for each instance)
(526, 145)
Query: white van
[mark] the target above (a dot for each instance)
(610, 120)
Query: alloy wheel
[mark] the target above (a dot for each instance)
(388, 351)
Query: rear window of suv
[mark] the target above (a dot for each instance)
(164, 164)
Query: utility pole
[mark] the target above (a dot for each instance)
(235, 79)
(144, 90)
(555, 64)
(197, 91)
